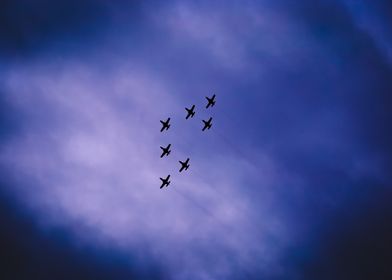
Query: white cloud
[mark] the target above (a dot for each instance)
(89, 147)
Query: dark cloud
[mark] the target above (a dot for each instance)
(356, 244)
(10, 120)
(325, 114)
(354, 97)
(26, 25)
(30, 253)
(29, 26)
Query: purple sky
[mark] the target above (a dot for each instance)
(297, 153)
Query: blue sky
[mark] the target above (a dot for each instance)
(292, 181)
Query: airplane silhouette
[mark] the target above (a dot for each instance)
(165, 125)
(207, 124)
(165, 151)
(184, 165)
(190, 111)
(165, 182)
(211, 101)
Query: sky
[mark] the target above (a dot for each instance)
(293, 180)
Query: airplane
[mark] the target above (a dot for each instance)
(184, 165)
(165, 151)
(165, 125)
(211, 101)
(207, 124)
(165, 182)
(190, 111)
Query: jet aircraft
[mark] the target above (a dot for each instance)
(190, 111)
(165, 125)
(184, 165)
(165, 151)
(207, 124)
(211, 101)
(165, 182)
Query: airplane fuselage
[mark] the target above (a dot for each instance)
(165, 151)
(207, 124)
(184, 165)
(165, 125)
(190, 112)
(211, 101)
(165, 182)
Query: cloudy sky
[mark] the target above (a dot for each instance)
(293, 181)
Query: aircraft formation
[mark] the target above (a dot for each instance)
(166, 125)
